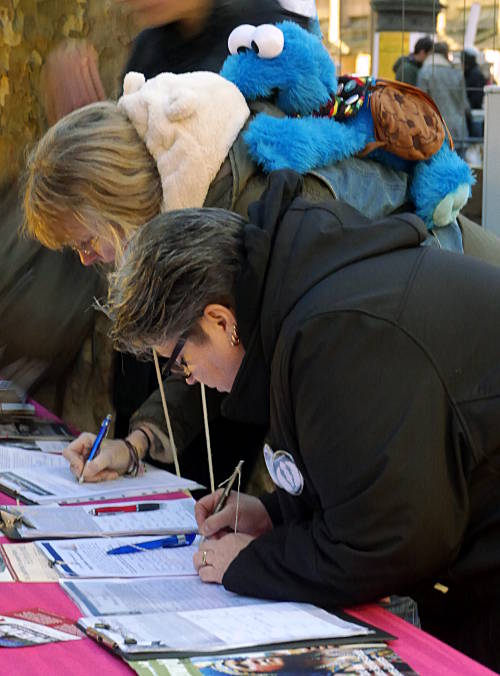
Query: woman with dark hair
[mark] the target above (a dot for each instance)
(380, 393)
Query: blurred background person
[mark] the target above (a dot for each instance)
(186, 35)
(475, 81)
(445, 83)
(406, 67)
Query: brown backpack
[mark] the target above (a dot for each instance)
(407, 122)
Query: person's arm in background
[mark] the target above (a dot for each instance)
(70, 79)
(388, 512)
(148, 432)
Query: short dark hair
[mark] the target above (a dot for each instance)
(423, 44)
(174, 266)
(442, 48)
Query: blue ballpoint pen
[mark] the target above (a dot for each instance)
(97, 443)
(170, 541)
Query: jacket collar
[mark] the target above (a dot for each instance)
(437, 60)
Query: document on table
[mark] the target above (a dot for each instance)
(5, 574)
(89, 558)
(219, 628)
(50, 521)
(51, 446)
(12, 457)
(28, 563)
(43, 485)
(150, 595)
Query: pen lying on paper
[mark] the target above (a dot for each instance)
(103, 430)
(163, 543)
(115, 509)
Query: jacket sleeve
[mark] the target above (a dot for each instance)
(186, 416)
(384, 503)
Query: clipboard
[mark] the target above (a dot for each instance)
(155, 650)
(10, 520)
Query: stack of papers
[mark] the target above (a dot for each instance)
(90, 558)
(12, 457)
(50, 521)
(171, 615)
(225, 628)
(42, 485)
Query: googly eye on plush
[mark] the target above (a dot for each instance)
(241, 38)
(268, 41)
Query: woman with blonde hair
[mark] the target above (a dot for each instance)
(170, 142)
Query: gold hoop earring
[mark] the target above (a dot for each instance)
(235, 336)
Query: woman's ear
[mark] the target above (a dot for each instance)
(219, 317)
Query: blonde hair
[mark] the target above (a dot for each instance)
(91, 165)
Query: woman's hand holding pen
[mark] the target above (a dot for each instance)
(112, 461)
(217, 553)
(253, 518)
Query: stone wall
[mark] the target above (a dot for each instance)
(29, 29)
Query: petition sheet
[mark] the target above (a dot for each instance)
(57, 484)
(222, 628)
(5, 575)
(116, 597)
(12, 457)
(90, 558)
(167, 516)
(28, 563)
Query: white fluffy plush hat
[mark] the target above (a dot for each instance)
(188, 123)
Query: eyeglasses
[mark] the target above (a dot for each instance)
(172, 367)
(87, 248)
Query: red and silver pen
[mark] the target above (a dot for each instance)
(114, 509)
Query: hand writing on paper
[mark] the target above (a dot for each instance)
(253, 518)
(214, 556)
(112, 461)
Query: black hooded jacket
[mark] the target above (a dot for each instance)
(376, 364)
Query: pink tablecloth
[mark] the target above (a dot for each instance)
(75, 658)
(425, 654)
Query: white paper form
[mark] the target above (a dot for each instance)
(57, 484)
(221, 629)
(13, 457)
(89, 558)
(51, 446)
(5, 575)
(48, 521)
(28, 563)
(147, 595)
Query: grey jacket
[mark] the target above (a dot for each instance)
(446, 84)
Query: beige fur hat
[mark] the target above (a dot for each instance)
(188, 123)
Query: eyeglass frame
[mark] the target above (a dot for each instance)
(172, 367)
(87, 248)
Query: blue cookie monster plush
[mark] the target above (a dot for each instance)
(290, 66)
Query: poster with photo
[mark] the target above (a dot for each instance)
(35, 627)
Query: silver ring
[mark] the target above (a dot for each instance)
(204, 557)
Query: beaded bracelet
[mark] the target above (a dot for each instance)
(136, 467)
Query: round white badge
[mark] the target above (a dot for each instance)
(283, 470)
